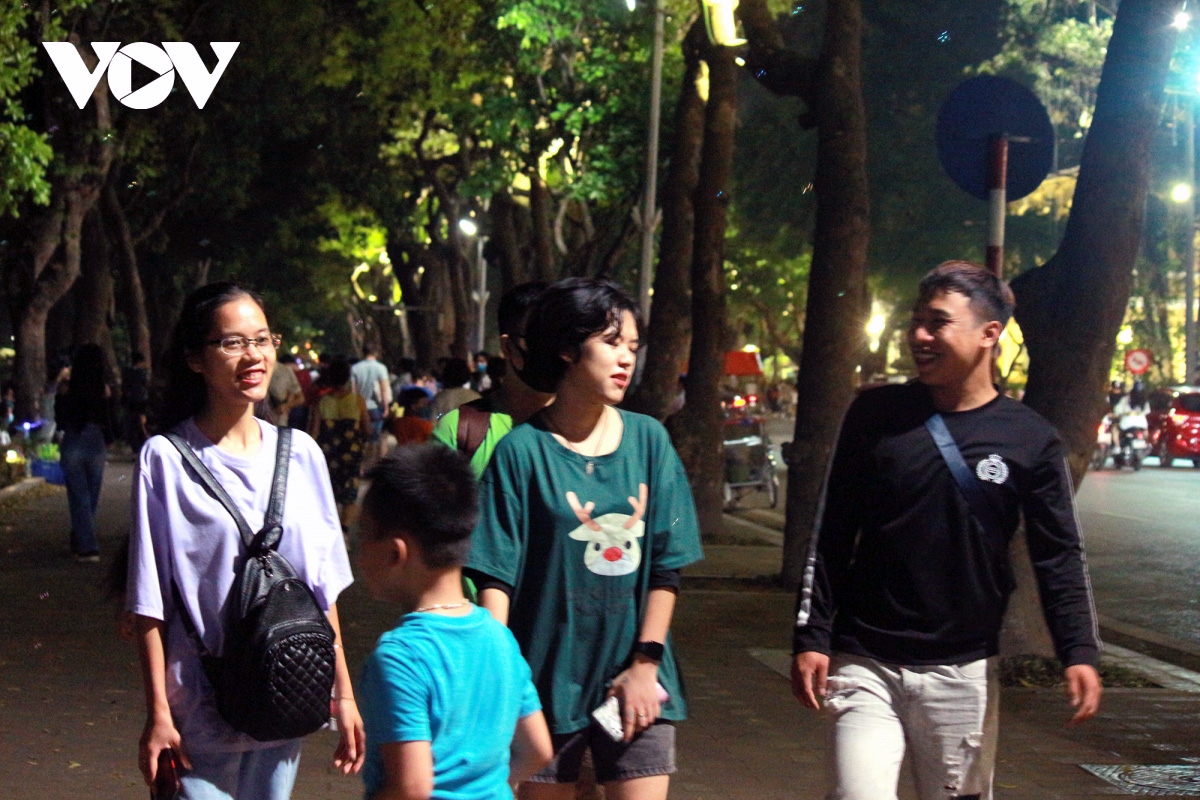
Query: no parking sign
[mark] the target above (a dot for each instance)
(1138, 361)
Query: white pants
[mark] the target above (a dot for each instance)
(947, 716)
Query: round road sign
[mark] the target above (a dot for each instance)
(987, 107)
(1138, 361)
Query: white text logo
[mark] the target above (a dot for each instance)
(172, 57)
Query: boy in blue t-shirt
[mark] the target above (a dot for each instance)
(447, 701)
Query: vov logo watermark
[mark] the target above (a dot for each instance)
(166, 60)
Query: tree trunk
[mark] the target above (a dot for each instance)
(697, 429)
(505, 243)
(667, 338)
(82, 174)
(1071, 308)
(415, 288)
(544, 266)
(133, 296)
(833, 330)
(94, 288)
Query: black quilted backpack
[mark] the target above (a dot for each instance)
(275, 677)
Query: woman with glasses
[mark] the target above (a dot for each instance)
(185, 548)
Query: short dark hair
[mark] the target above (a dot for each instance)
(515, 305)
(990, 297)
(335, 373)
(368, 349)
(428, 492)
(565, 316)
(455, 373)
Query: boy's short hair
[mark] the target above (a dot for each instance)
(428, 492)
(566, 315)
(990, 297)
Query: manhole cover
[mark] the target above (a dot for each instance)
(1155, 780)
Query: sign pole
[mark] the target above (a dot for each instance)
(997, 200)
(649, 211)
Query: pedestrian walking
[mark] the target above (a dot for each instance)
(371, 380)
(586, 519)
(447, 660)
(341, 424)
(456, 377)
(412, 425)
(185, 549)
(475, 428)
(81, 411)
(898, 618)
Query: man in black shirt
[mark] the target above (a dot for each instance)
(898, 617)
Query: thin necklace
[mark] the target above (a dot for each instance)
(441, 607)
(591, 464)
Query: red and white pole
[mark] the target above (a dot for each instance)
(997, 199)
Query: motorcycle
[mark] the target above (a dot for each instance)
(1104, 443)
(1132, 442)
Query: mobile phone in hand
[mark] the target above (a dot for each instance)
(608, 715)
(166, 782)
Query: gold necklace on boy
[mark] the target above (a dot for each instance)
(441, 606)
(591, 460)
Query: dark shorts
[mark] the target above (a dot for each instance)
(652, 752)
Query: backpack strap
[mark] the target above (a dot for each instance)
(963, 476)
(473, 425)
(210, 483)
(272, 529)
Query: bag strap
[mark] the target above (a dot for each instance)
(272, 529)
(210, 483)
(473, 425)
(963, 476)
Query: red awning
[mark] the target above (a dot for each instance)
(741, 363)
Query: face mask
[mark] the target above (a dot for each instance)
(481, 367)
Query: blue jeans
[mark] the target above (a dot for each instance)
(82, 453)
(253, 775)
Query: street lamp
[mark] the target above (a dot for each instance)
(480, 293)
(1182, 19)
(649, 209)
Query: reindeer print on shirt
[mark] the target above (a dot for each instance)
(612, 539)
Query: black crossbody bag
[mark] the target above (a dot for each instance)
(276, 676)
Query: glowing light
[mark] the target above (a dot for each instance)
(741, 62)
(468, 227)
(876, 326)
(750, 348)
(12, 457)
(1181, 192)
(1182, 20)
(631, 4)
(1125, 337)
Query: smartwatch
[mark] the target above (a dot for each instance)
(651, 650)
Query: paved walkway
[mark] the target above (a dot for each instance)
(71, 708)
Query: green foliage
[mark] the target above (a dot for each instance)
(1058, 50)
(766, 292)
(24, 153)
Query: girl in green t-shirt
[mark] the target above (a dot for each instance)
(586, 519)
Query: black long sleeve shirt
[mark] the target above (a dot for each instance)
(900, 571)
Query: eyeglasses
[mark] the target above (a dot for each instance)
(236, 345)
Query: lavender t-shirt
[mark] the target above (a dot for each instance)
(180, 531)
